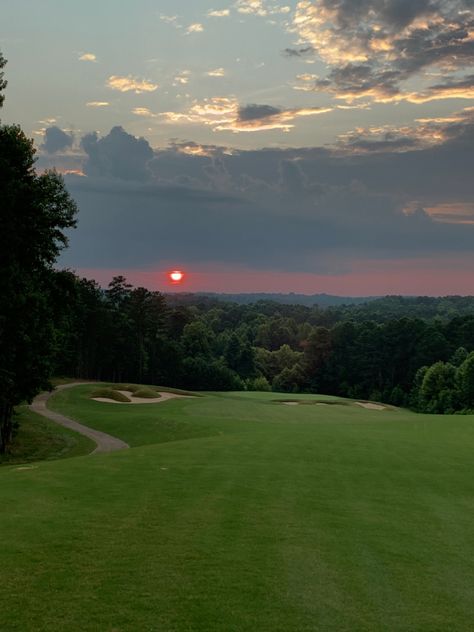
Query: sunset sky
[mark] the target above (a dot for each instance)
(311, 146)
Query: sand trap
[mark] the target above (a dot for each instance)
(141, 400)
(290, 403)
(370, 406)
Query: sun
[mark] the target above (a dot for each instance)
(176, 276)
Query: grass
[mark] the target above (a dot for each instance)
(146, 393)
(234, 513)
(109, 393)
(40, 439)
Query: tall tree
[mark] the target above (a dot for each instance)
(3, 83)
(35, 209)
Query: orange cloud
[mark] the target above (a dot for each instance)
(131, 84)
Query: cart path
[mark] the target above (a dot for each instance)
(105, 442)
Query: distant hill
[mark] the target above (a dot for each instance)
(322, 300)
(335, 308)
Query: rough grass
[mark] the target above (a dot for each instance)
(146, 393)
(260, 517)
(109, 393)
(131, 388)
(38, 439)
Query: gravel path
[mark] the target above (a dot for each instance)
(105, 442)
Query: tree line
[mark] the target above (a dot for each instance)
(124, 333)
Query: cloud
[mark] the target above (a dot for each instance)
(88, 57)
(218, 13)
(452, 89)
(298, 52)
(117, 155)
(217, 72)
(225, 114)
(97, 104)
(427, 133)
(316, 209)
(257, 118)
(255, 7)
(197, 27)
(260, 8)
(454, 213)
(374, 49)
(56, 140)
(145, 112)
(210, 111)
(171, 19)
(131, 84)
(182, 78)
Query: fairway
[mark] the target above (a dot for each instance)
(232, 512)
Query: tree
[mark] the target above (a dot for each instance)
(35, 210)
(437, 392)
(3, 83)
(465, 382)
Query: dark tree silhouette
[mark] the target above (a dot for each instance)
(34, 211)
(3, 83)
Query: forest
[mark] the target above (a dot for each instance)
(412, 352)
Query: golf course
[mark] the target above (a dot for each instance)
(242, 512)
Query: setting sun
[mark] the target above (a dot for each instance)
(176, 276)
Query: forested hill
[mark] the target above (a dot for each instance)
(322, 300)
(379, 309)
(416, 352)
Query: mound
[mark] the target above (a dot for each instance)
(147, 393)
(109, 393)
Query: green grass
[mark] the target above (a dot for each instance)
(234, 513)
(38, 439)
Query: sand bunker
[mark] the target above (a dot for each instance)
(367, 405)
(141, 400)
(370, 406)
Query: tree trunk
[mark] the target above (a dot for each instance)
(6, 424)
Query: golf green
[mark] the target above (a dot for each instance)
(234, 512)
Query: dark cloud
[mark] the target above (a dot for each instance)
(56, 140)
(253, 111)
(298, 52)
(291, 209)
(117, 155)
(356, 80)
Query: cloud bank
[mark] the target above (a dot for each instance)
(321, 210)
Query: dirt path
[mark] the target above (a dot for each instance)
(105, 442)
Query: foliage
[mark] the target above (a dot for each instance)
(465, 382)
(36, 209)
(259, 384)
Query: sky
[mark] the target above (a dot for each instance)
(259, 146)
